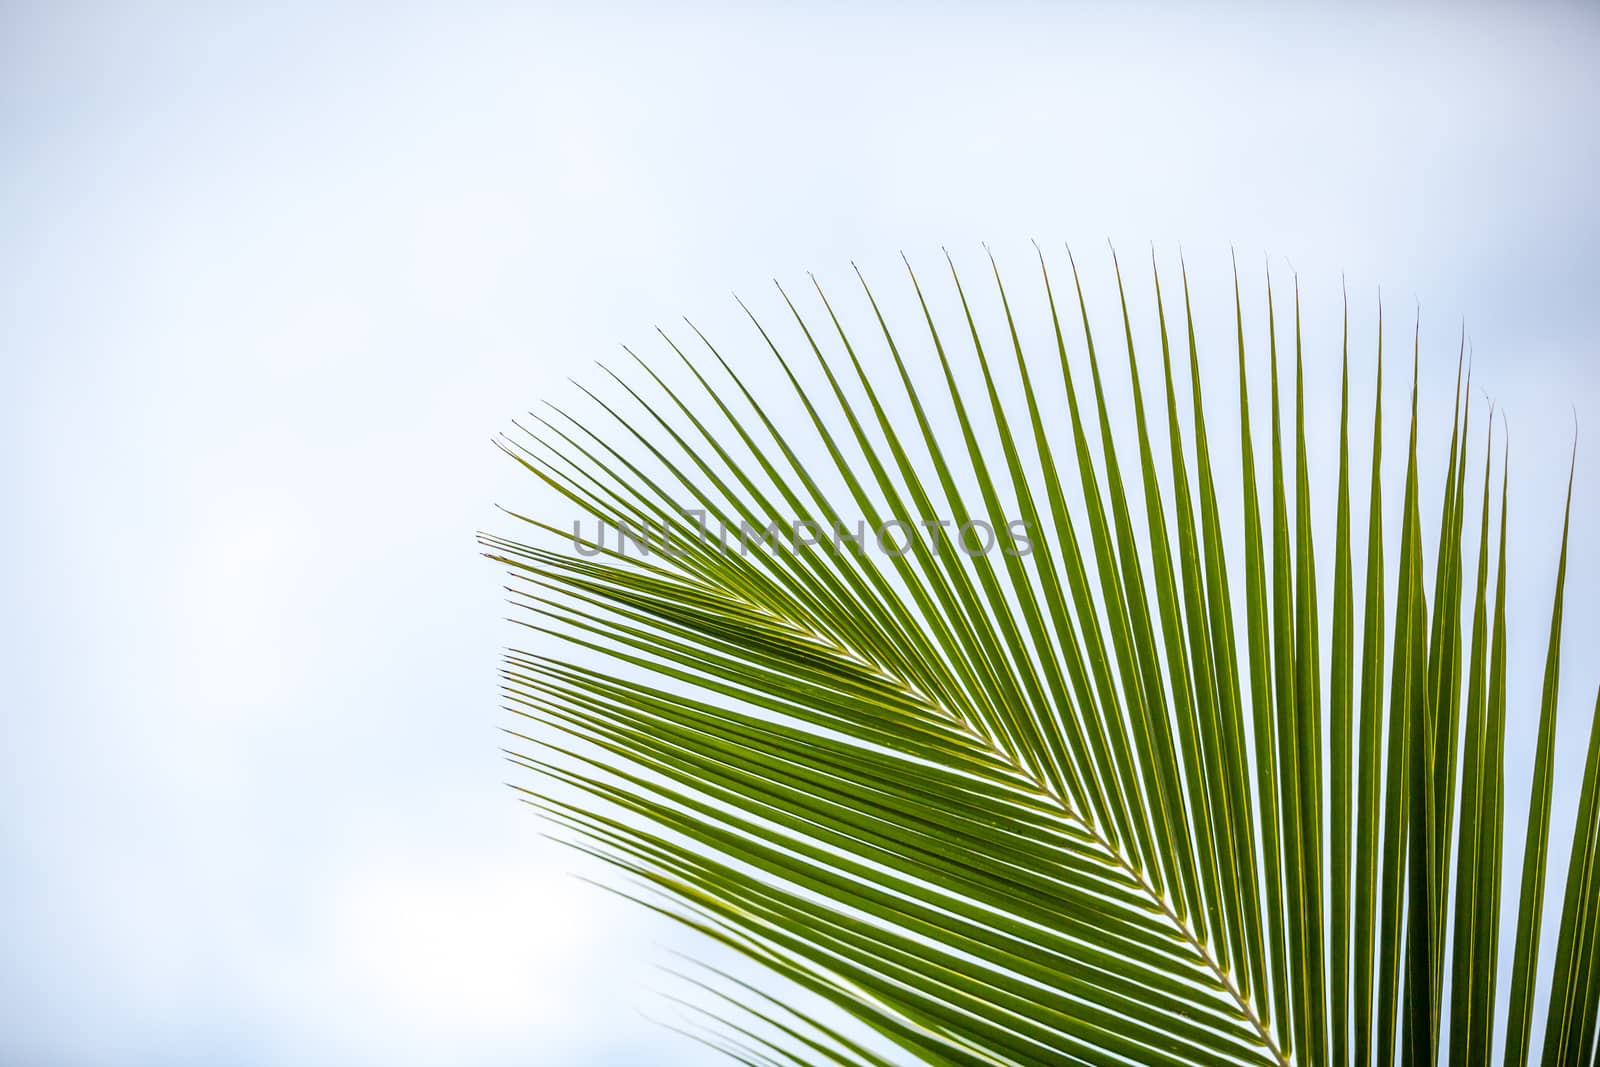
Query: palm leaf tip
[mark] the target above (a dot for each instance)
(1069, 804)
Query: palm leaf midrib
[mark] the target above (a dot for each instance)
(1002, 754)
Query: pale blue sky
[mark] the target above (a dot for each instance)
(272, 279)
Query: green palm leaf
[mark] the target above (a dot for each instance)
(1061, 805)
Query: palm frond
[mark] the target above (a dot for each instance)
(1053, 798)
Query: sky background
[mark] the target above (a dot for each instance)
(273, 278)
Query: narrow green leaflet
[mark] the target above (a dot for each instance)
(1530, 904)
